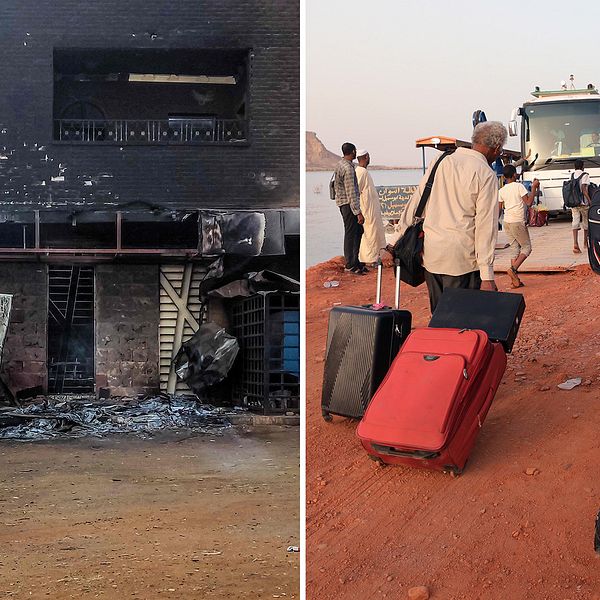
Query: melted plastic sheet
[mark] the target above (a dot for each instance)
(260, 282)
(206, 358)
(51, 418)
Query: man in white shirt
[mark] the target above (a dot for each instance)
(461, 216)
(580, 213)
(514, 198)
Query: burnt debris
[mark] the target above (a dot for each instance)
(64, 416)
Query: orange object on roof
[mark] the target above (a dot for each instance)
(443, 143)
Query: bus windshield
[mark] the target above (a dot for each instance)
(562, 130)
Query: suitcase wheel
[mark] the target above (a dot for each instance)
(454, 470)
(326, 416)
(377, 460)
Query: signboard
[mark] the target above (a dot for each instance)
(393, 199)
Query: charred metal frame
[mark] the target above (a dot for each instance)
(269, 345)
(117, 250)
(279, 223)
(200, 131)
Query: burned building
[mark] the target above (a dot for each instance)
(149, 152)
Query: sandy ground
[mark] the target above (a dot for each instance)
(495, 532)
(552, 248)
(178, 516)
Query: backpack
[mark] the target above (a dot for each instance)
(593, 191)
(332, 187)
(571, 192)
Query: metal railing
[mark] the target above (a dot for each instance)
(151, 131)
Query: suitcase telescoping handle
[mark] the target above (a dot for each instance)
(379, 278)
(397, 294)
(379, 283)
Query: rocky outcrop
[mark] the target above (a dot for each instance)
(318, 158)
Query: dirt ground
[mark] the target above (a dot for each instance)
(178, 516)
(495, 533)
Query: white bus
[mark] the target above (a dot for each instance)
(558, 127)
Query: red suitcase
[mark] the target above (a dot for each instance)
(435, 397)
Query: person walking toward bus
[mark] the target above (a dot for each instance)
(373, 238)
(515, 199)
(579, 214)
(347, 198)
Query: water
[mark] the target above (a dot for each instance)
(324, 228)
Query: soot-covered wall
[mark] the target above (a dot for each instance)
(35, 170)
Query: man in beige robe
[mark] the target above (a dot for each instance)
(373, 239)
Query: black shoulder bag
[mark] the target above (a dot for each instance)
(409, 248)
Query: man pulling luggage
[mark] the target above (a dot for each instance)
(461, 216)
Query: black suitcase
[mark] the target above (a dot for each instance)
(594, 234)
(362, 342)
(499, 314)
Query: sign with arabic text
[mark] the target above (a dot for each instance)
(393, 199)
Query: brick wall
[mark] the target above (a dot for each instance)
(127, 319)
(24, 358)
(265, 174)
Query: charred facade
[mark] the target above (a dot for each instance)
(149, 152)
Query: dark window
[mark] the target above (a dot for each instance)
(151, 96)
(70, 329)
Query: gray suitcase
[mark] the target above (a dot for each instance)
(362, 342)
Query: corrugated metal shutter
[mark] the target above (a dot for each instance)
(180, 316)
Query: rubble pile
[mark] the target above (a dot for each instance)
(51, 417)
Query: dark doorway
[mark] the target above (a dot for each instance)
(70, 329)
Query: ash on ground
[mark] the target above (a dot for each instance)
(60, 416)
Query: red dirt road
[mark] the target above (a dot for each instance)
(495, 533)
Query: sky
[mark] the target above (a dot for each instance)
(383, 73)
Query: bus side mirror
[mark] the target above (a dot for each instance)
(512, 128)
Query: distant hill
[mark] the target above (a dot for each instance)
(318, 158)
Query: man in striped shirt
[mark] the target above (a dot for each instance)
(347, 197)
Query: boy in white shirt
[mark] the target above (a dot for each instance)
(514, 198)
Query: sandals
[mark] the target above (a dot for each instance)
(576, 250)
(514, 278)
